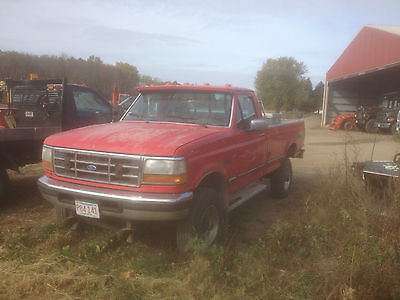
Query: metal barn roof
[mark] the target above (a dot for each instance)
(375, 47)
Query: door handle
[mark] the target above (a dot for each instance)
(261, 134)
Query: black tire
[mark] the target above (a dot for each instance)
(370, 126)
(281, 180)
(4, 184)
(348, 125)
(207, 220)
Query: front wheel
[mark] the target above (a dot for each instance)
(281, 180)
(206, 221)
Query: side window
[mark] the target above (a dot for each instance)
(246, 109)
(88, 102)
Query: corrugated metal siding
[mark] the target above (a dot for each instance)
(341, 102)
(344, 101)
(371, 49)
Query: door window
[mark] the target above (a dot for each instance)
(246, 109)
(88, 102)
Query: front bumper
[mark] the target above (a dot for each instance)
(118, 204)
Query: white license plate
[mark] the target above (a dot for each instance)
(87, 209)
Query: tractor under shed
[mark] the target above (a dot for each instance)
(368, 68)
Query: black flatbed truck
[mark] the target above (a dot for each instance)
(31, 110)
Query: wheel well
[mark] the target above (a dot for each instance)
(292, 151)
(215, 181)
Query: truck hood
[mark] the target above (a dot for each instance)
(157, 139)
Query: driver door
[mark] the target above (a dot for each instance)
(249, 146)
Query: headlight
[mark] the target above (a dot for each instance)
(164, 171)
(390, 119)
(47, 158)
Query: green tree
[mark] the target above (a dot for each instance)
(148, 80)
(317, 95)
(127, 77)
(281, 84)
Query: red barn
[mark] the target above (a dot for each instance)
(368, 68)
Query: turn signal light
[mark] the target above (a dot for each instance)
(47, 165)
(164, 179)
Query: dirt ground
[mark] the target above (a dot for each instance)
(324, 149)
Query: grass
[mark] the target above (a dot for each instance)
(343, 243)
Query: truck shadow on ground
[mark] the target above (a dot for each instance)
(253, 219)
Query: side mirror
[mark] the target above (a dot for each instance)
(259, 124)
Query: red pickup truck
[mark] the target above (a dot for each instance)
(187, 154)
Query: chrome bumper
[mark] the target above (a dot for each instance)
(126, 205)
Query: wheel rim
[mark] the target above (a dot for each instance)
(210, 224)
(287, 181)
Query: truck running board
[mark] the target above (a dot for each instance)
(246, 193)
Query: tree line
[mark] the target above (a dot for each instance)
(282, 86)
(92, 71)
(281, 83)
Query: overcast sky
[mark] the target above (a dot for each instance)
(193, 41)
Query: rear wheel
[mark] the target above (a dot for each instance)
(370, 126)
(206, 221)
(281, 180)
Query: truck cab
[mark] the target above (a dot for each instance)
(386, 119)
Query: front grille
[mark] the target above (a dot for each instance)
(381, 117)
(119, 169)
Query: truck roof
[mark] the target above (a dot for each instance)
(227, 88)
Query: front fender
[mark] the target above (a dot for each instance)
(206, 170)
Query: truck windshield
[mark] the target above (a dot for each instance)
(205, 108)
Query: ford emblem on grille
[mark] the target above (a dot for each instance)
(91, 167)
